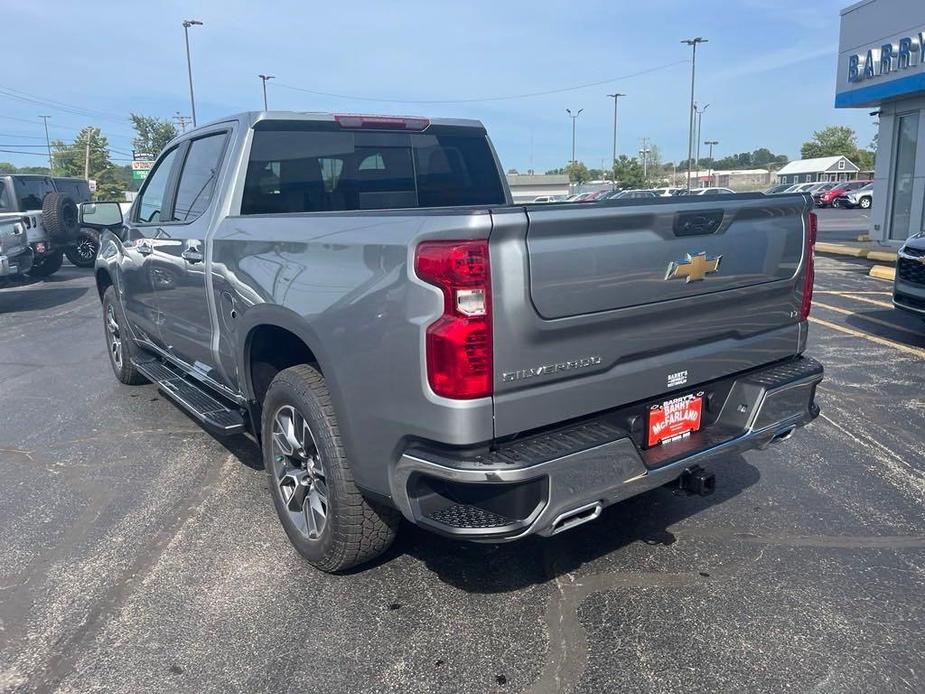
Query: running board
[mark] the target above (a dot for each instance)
(192, 398)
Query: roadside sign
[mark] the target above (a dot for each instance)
(92, 183)
(142, 165)
(139, 174)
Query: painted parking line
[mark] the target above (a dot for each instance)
(878, 321)
(849, 293)
(866, 300)
(914, 351)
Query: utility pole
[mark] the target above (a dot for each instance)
(182, 121)
(710, 143)
(699, 121)
(574, 118)
(644, 153)
(264, 79)
(615, 97)
(51, 165)
(187, 23)
(690, 128)
(87, 154)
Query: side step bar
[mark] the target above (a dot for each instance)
(192, 398)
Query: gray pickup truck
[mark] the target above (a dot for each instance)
(361, 294)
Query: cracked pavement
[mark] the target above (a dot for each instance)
(140, 554)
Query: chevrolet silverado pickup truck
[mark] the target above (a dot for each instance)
(361, 295)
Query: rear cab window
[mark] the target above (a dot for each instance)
(294, 168)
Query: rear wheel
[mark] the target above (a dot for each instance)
(47, 265)
(83, 252)
(119, 343)
(326, 517)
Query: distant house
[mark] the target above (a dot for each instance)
(736, 179)
(819, 169)
(525, 188)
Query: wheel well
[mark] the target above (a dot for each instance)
(103, 282)
(272, 349)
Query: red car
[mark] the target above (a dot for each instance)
(843, 188)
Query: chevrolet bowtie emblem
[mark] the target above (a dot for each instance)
(693, 268)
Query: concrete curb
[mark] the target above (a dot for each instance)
(882, 272)
(856, 252)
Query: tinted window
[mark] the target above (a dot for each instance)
(31, 192)
(79, 191)
(197, 180)
(6, 205)
(312, 171)
(152, 198)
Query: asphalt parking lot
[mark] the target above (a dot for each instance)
(140, 554)
(838, 224)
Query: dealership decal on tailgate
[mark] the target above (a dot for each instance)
(674, 419)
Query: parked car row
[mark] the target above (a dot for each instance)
(831, 193)
(628, 194)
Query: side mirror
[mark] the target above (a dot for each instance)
(101, 215)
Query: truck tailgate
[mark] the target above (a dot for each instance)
(598, 306)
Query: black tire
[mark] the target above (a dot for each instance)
(355, 530)
(83, 252)
(122, 364)
(60, 217)
(47, 265)
(865, 202)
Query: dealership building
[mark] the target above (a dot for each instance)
(881, 67)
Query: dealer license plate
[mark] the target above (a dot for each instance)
(675, 419)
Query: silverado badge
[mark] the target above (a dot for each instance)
(694, 267)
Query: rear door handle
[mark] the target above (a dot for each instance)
(192, 255)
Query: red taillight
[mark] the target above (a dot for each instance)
(350, 120)
(809, 272)
(459, 343)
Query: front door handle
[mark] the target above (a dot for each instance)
(192, 255)
(144, 248)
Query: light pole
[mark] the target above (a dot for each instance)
(187, 23)
(574, 118)
(264, 79)
(690, 127)
(90, 135)
(615, 97)
(51, 166)
(644, 153)
(710, 144)
(699, 120)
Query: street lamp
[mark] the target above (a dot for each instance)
(690, 128)
(574, 118)
(614, 97)
(710, 143)
(699, 120)
(187, 23)
(264, 79)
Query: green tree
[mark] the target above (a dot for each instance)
(151, 134)
(7, 167)
(577, 172)
(70, 160)
(40, 170)
(833, 141)
(627, 172)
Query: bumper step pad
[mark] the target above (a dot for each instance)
(466, 516)
(192, 398)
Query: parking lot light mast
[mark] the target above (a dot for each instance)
(699, 121)
(264, 78)
(614, 163)
(690, 127)
(51, 166)
(574, 117)
(710, 144)
(187, 23)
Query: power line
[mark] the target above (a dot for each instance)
(526, 95)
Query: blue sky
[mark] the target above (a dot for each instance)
(768, 71)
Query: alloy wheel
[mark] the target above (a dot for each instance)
(114, 335)
(299, 472)
(87, 248)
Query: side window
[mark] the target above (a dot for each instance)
(197, 180)
(5, 205)
(150, 207)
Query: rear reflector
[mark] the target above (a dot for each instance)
(809, 272)
(459, 343)
(349, 120)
